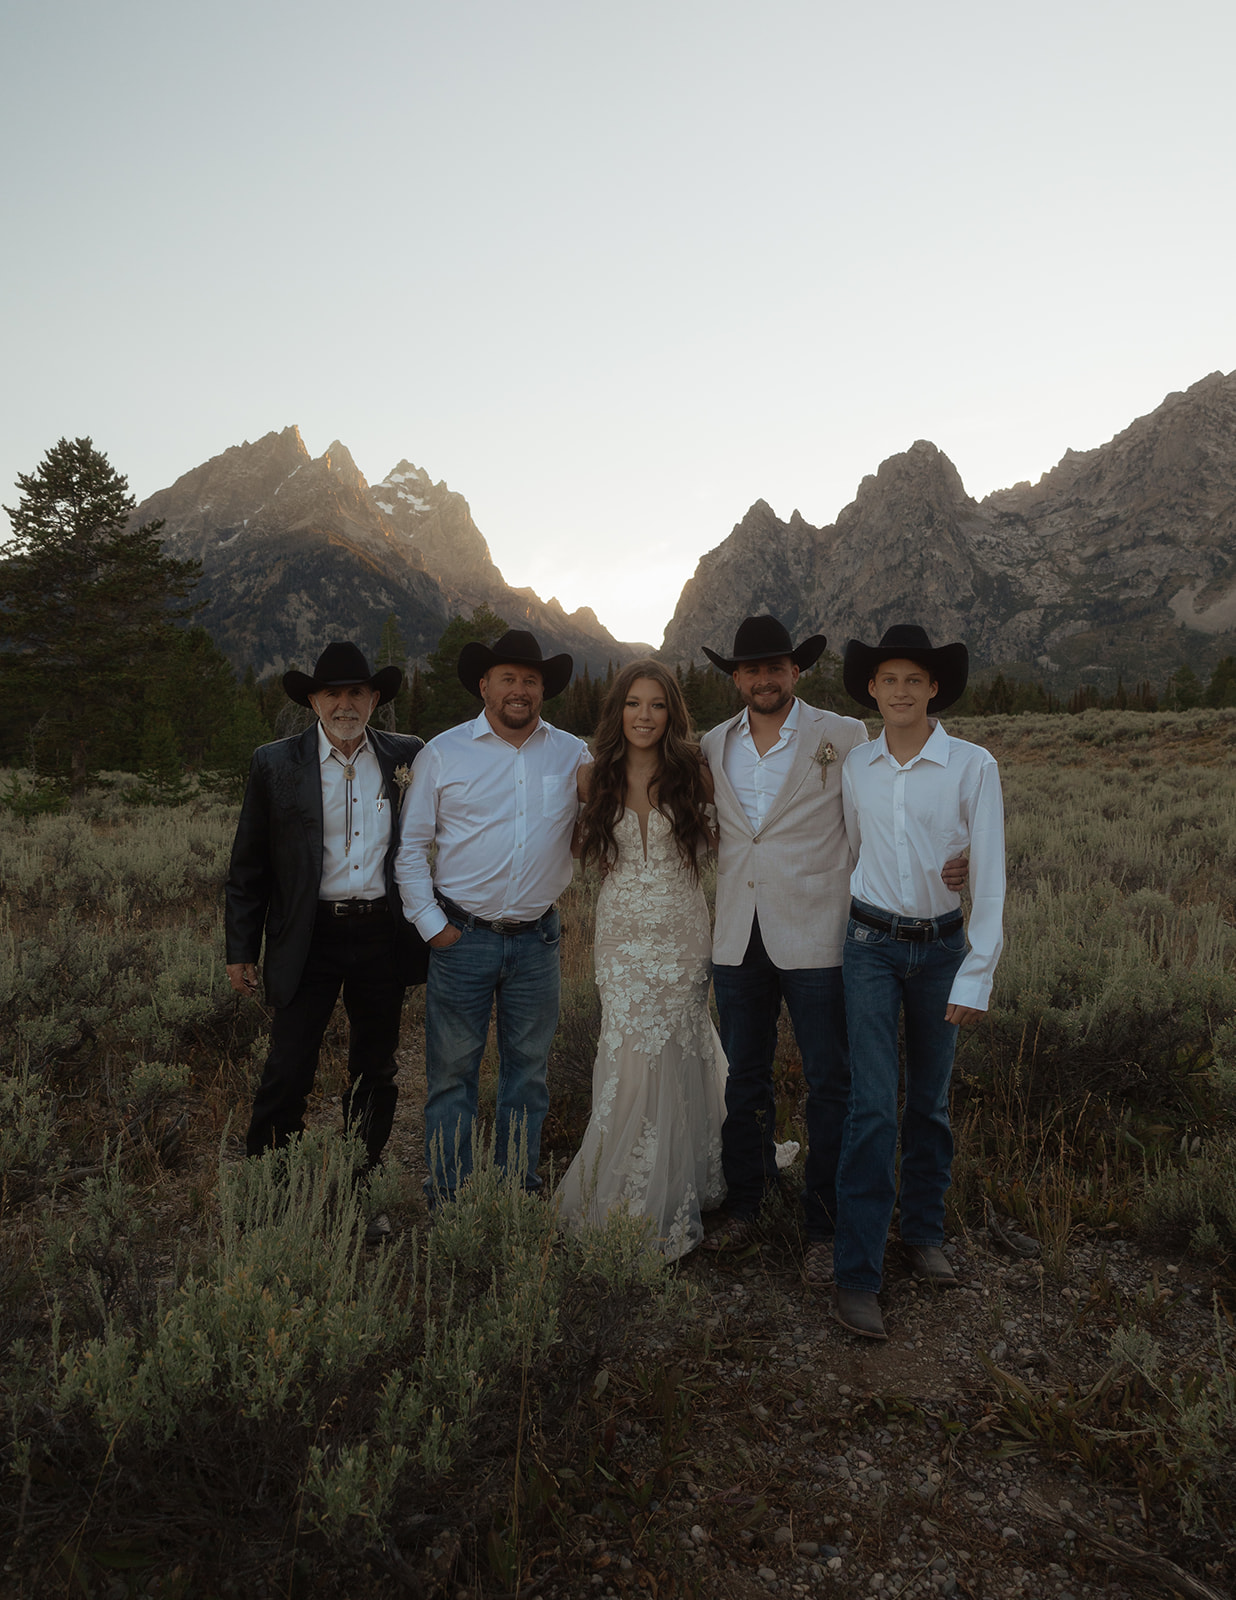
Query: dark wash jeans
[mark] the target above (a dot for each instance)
(748, 1004)
(521, 972)
(359, 956)
(884, 979)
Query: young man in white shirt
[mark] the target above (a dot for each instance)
(911, 797)
(497, 797)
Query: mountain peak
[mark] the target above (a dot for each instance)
(1122, 558)
(296, 550)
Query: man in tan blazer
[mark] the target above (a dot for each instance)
(783, 895)
(783, 901)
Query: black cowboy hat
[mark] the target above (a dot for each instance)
(949, 665)
(515, 648)
(763, 639)
(340, 665)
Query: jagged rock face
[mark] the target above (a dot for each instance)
(1091, 571)
(293, 553)
(438, 523)
(764, 566)
(297, 551)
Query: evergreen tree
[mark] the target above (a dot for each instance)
(164, 782)
(1184, 689)
(416, 702)
(245, 728)
(821, 686)
(994, 699)
(194, 691)
(1221, 690)
(447, 702)
(87, 608)
(397, 714)
(711, 696)
(1085, 697)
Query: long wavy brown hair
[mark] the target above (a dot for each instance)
(676, 787)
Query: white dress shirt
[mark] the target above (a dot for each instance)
(353, 869)
(756, 778)
(905, 822)
(501, 816)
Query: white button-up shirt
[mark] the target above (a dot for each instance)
(358, 872)
(754, 778)
(501, 816)
(905, 822)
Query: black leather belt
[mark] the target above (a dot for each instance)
(352, 908)
(502, 925)
(918, 930)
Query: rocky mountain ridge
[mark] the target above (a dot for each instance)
(297, 550)
(1120, 561)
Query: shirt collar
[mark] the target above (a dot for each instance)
(482, 726)
(325, 747)
(789, 726)
(935, 749)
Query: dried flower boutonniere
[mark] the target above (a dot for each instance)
(403, 777)
(824, 758)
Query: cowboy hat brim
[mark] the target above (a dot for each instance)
(948, 664)
(299, 685)
(804, 656)
(476, 659)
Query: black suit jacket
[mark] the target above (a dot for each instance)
(276, 866)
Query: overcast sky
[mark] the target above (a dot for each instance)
(614, 272)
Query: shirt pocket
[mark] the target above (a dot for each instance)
(559, 796)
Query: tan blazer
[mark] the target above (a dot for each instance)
(796, 871)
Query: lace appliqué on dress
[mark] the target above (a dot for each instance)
(653, 1142)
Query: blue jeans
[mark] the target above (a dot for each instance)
(885, 978)
(748, 1005)
(520, 971)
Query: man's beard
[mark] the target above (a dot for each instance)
(515, 716)
(345, 726)
(766, 705)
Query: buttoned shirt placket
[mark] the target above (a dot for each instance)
(904, 875)
(766, 779)
(520, 776)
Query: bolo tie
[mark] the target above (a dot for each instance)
(349, 773)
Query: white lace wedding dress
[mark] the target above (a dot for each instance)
(653, 1142)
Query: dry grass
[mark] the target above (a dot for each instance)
(1096, 1103)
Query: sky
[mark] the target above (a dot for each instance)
(614, 272)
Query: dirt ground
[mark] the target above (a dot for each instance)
(760, 1449)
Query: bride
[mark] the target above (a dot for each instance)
(653, 1142)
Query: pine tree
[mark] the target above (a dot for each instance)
(447, 702)
(393, 652)
(1184, 689)
(1221, 690)
(87, 607)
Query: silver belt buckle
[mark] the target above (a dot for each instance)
(503, 925)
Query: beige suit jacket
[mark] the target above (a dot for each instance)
(795, 872)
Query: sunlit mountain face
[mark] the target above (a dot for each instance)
(297, 549)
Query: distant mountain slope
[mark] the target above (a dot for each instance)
(1121, 559)
(296, 551)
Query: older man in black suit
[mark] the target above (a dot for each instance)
(313, 868)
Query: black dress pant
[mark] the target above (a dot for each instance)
(358, 956)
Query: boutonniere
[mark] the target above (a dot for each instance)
(403, 777)
(824, 758)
